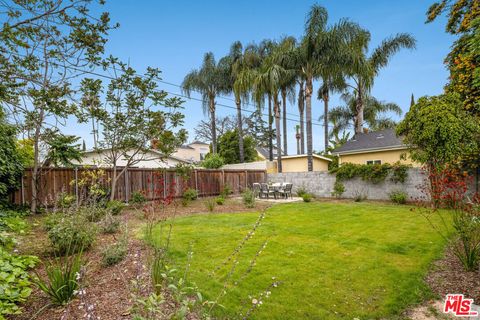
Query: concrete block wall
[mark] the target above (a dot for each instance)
(321, 184)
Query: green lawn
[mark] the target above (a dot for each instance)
(335, 260)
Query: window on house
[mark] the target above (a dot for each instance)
(374, 162)
(202, 156)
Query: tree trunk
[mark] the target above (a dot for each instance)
(240, 130)
(277, 128)
(270, 136)
(297, 137)
(284, 113)
(301, 109)
(325, 98)
(213, 124)
(114, 182)
(359, 111)
(308, 114)
(36, 164)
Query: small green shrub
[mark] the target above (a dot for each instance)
(93, 213)
(338, 189)
(226, 191)
(213, 161)
(359, 196)
(185, 202)
(301, 191)
(398, 197)
(109, 224)
(190, 194)
(114, 253)
(210, 204)
(138, 198)
(15, 285)
(307, 197)
(248, 197)
(220, 200)
(72, 233)
(62, 279)
(115, 207)
(65, 200)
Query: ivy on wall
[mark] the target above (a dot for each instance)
(374, 173)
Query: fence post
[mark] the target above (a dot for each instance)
(125, 179)
(164, 183)
(223, 179)
(246, 179)
(76, 186)
(196, 181)
(23, 191)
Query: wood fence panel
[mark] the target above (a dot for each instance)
(153, 183)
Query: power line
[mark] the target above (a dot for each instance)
(161, 90)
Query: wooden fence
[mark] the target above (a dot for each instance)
(153, 183)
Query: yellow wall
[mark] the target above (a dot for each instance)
(300, 164)
(389, 156)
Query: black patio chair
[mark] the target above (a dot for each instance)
(266, 191)
(256, 189)
(286, 190)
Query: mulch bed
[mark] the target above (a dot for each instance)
(448, 276)
(108, 289)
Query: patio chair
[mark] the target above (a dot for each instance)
(256, 189)
(286, 190)
(266, 191)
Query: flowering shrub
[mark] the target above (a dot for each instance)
(447, 187)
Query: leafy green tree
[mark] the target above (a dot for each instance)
(62, 150)
(11, 162)
(439, 131)
(129, 122)
(25, 149)
(229, 151)
(44, 45)
(213, 161)
(463, 61)
(210, 80)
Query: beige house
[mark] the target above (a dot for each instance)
(375, 147)
(149, 159)
(193, 152)
(299, 163)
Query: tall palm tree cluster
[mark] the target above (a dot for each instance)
(268, 74)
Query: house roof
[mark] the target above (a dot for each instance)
(198, 142)
(186, 147)
(99, 150)
(265, 153)
(371, 141)
(305, 155)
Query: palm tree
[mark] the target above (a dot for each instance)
(317, 57)
(287, 89)
(268, 79)
(301, 111)
(210, 80)
(363, 69)
(344, 117)
(329, 84)
(238, 62)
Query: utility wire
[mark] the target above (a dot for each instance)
(161, 90)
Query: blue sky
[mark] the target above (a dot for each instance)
(174, 35)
